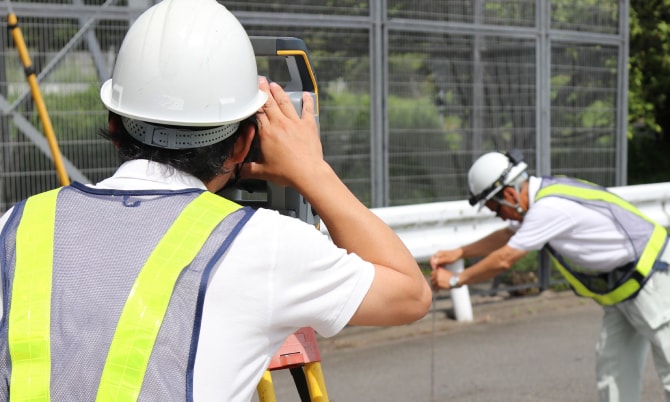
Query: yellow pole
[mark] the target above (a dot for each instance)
(13, 24)
(265, 388)
(316, 382)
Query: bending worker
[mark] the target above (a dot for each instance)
(147, 285)
(605, 248)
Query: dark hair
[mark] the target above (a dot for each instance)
(204, 163)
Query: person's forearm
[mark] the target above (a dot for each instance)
(495, 263)
(487, 244)
(352, 225)
(483, 270)
(400, 293)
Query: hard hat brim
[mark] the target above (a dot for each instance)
(174, 118)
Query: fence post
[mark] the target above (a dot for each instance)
(460, 296)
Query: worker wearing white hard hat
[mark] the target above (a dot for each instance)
(605, 248)
(148, 285)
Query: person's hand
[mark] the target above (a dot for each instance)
(444, 257)
(290, 144)
(439, 278)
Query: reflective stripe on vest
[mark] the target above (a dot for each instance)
(143, 312)
(29, 323)
(644, 263)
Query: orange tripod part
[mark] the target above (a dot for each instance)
(300, 354)
(300, 348)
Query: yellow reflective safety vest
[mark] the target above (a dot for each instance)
(104, 291)
(647, 238)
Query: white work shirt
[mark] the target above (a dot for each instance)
(585, 236)
(279, 274)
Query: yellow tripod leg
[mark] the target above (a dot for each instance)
(316, 382)
(265, 388)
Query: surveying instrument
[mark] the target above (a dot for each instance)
(285, 60)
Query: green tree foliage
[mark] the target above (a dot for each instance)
(649, 87)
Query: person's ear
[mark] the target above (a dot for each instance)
(113, 127)
(510, 192)
(243, 144)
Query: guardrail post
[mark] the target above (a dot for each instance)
(460, 296)
(544, 268)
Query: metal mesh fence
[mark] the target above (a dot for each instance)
(341, 7)
(584, 110)
(496, 12)
(410, 91)
(592, 16)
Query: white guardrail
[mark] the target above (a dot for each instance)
(426, 228)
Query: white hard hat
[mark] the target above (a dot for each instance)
(491, 173)
(185, 63)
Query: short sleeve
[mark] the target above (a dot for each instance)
(324, 284)
(544, 221)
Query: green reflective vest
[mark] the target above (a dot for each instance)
(647, 237)
(29, 320)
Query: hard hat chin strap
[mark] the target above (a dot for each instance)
(517, 186)
(519, 209)
(516, 206)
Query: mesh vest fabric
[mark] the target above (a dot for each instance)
(646, 237)
(102, 240)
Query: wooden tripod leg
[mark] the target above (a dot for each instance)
(316, 382)
(265, 388)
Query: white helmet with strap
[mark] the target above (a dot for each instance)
(492, 172)
(184, 63)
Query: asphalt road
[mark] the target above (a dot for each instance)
(537, 348)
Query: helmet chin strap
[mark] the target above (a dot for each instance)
(519, 209)
(516, 206)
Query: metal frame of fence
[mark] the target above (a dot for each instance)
(463, 48)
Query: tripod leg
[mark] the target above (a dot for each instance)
(316, 382)
(300, 383)
(265, 388)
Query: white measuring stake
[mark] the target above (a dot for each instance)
(460, 296)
